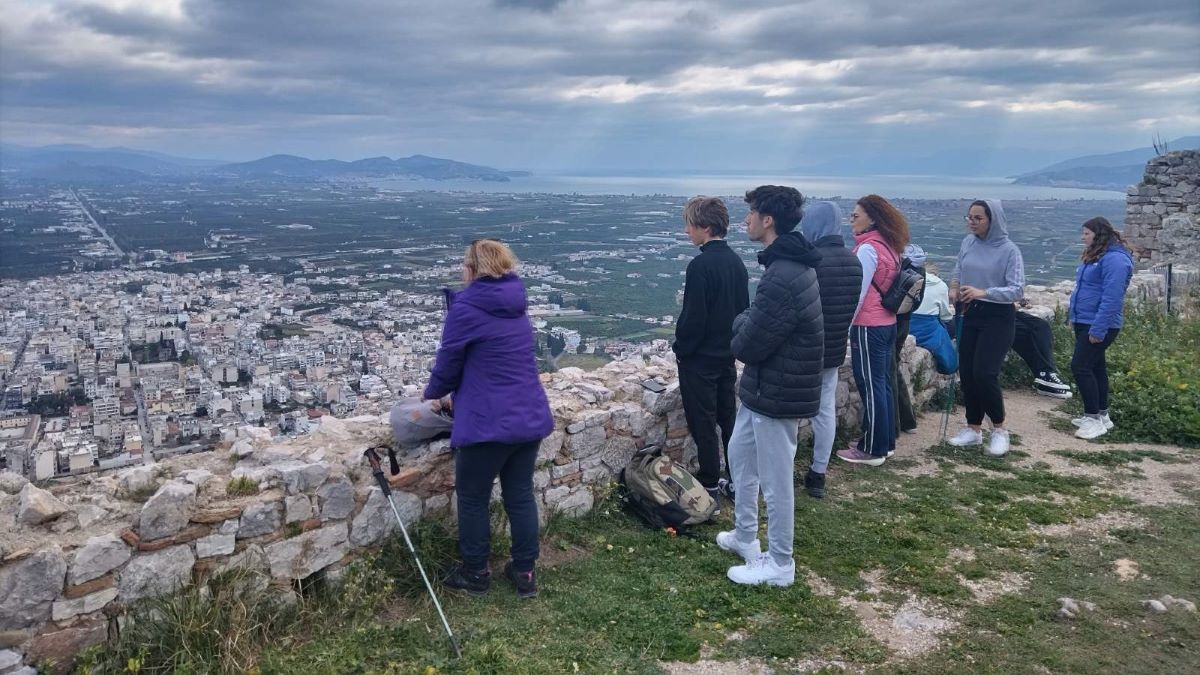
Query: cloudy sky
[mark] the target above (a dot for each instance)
(567, 85)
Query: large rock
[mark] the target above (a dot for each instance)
(215, 545)
(260, 519)
(167, 512)
(60, 646)
(137, 479)
(337, 498)
(158, 573)
(38, 506)
(300, 556)
(65, 610)
(376, 519)
(28, 587)
(98, 557)
(586, 443)
(297, 508)
(300, 478)
(12, 483)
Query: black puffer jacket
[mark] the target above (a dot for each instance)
(781, 338)
(840, 276)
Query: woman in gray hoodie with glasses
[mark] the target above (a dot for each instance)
(989, 276)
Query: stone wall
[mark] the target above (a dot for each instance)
(1162, 213)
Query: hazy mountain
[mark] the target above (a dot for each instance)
(965, 161)
(417, 165)
(44, 160)
(1112, 171)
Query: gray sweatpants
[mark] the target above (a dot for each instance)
(824, 425)
(762, 453)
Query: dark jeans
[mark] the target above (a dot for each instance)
(871, 355)
(1034, 343)
(1090, 370)
(475, 470)
(902, 410)
(707, 389)
(987, 335)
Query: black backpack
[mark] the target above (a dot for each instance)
(907, 289)
(662, 493)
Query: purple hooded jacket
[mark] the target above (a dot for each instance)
(486, 360)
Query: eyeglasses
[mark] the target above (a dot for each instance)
(975, 219)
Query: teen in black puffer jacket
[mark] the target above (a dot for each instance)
(781, 337)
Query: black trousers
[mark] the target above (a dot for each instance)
(1089, 368)
(902, 408)
(707, 389)
(1034, 343)
(987, 335)
(475, 470)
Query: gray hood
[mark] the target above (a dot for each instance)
(997, 233)
(821, 219)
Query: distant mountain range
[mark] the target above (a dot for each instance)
(1113, 171)
(81, 163)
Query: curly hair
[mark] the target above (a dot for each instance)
(1105, 233)
(892, 224)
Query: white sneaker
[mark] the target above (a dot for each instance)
(966, 436)
(728, 541)
(998, 444)
(1091, 428)
(1108, 423)
(763, 570)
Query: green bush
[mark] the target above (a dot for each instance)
(1154, 377)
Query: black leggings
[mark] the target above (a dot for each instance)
(987, 335)
(1090, 370)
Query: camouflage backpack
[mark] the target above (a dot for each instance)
(663, 493)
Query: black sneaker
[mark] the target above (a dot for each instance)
(471, 582)
(1050, 384)
(725, 488)
(716, 497)
(814, 484)
(525, 582)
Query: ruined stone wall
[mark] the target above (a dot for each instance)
(1162, 213)
(73, 555)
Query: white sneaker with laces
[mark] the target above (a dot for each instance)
(998, 444)
(1092, 427)
(763, 570)
(966, 436)
(728, 541)
(1108, 423)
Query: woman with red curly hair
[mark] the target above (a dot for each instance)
(880, 235)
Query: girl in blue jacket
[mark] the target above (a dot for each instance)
(1097, 313)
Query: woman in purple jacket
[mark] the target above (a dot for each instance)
(1097, 313)
(486, 360)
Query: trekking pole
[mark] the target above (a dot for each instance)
(377, 471)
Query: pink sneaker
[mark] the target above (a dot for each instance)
(856, 456)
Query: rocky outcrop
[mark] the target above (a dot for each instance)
(1162, 213)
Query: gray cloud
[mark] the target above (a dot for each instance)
(598, 83)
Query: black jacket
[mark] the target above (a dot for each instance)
(781, 338)
(840, 276)
(715, 290)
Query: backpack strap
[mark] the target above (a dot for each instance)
(879, 290)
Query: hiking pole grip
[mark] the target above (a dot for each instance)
(377, 470)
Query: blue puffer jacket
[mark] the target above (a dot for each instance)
(1099, 297)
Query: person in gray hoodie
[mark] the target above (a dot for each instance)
(839, 275)
(989, 276)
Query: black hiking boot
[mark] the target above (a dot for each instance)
(525, 582)
(471, 582)
(814, 484)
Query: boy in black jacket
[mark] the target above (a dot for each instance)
(715, 290)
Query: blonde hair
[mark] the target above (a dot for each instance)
(489, 258)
